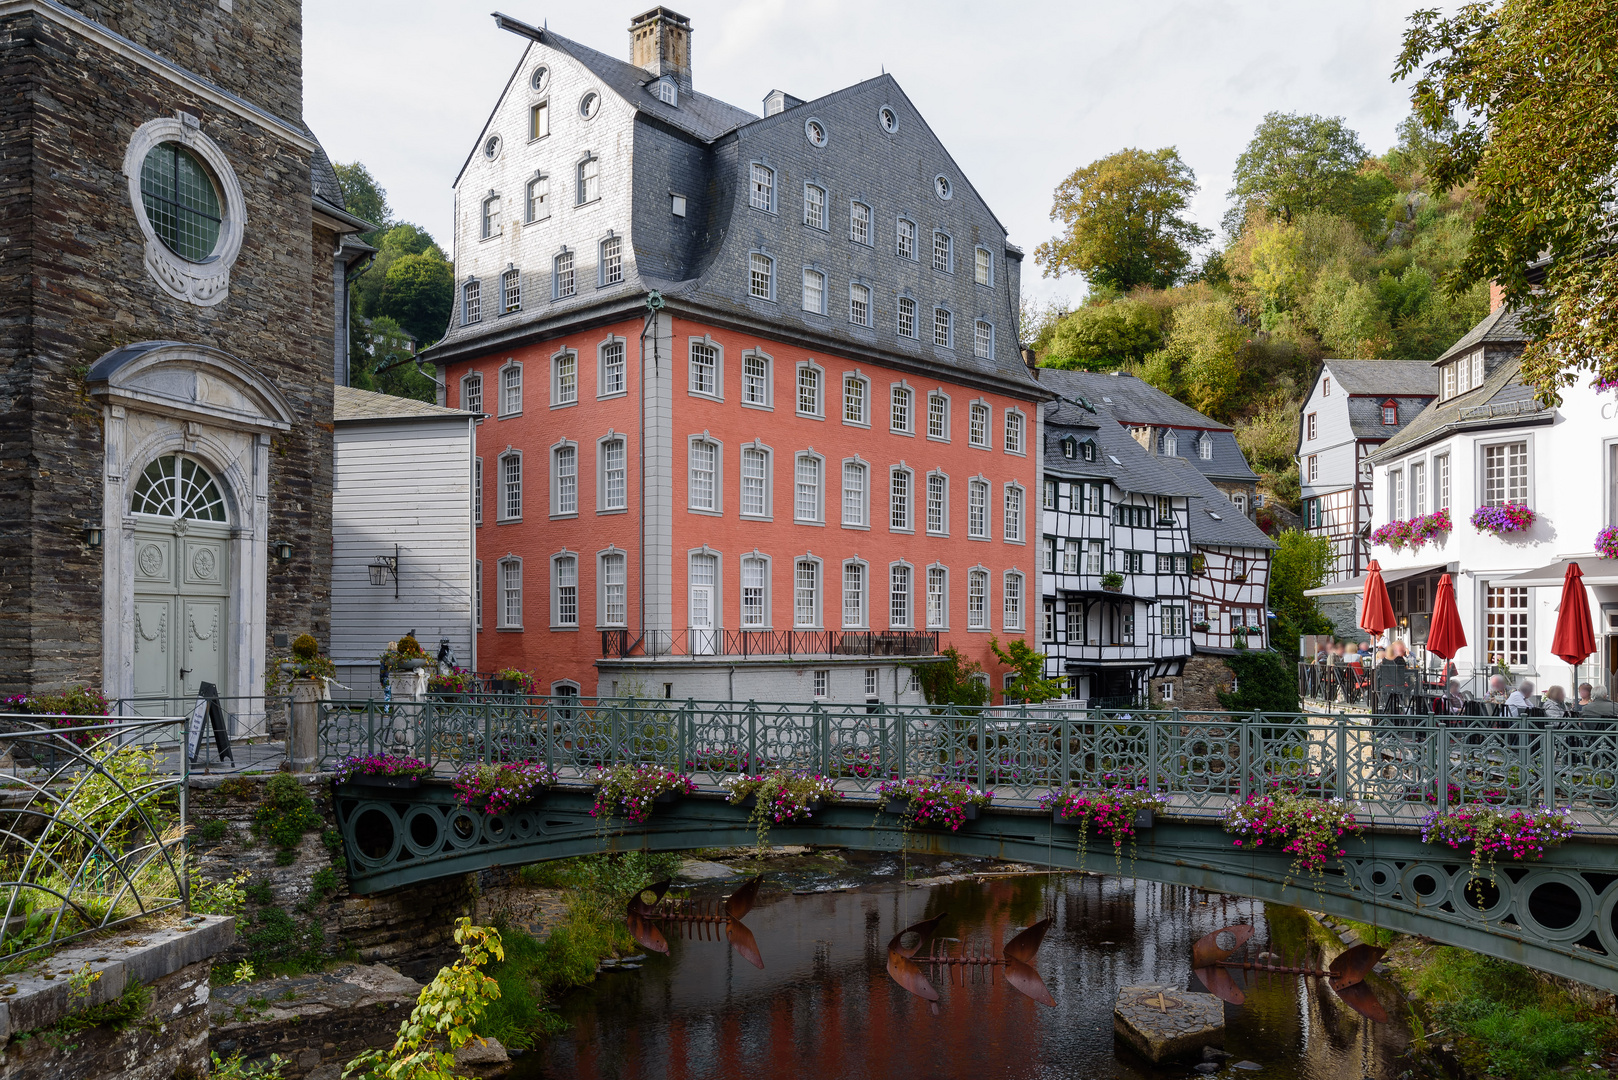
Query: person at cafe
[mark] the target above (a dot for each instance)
(1398, 653)
(1601, 707)
(1555, 704)
(1498, 688)
(1453, 701)
(1521, 699)
(1584, 697)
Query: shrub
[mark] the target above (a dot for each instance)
(323, 884)
(306, 648)
(213, 830)
(284, 816)
(277, 944)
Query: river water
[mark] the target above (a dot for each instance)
(824, 1007)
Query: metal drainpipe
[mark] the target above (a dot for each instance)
(654, 303)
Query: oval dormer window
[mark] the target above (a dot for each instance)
(589, 105)
(815, 132)
(491, 147)
(888, 119)
(541, 78)
(941, 185)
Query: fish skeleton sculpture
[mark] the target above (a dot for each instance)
(1017, 960)
(696, 919)
(1212, 964)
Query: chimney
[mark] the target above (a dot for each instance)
(660, 42)
(1497, 296)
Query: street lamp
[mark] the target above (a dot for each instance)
(384, 566)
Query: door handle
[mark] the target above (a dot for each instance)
(184, 672)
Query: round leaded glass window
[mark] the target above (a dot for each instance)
(181, 200)
(942, 186)
(589, 105)
(177, 487)
(541, 77)
(815, 132)
(889, 119)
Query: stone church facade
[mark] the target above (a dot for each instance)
(171, 268)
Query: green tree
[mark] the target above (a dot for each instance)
(1521, 100)
(419, 292)
(402, 239)
(1125, 221)
(1029, 682)
(386, 362)
(1265, 680)
(1202, 356)
(1300, 562)
(1296, 163)
(954, 680)
(364, 198)
(1099, 337)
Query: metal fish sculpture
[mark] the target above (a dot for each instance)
(1212, 964)
(695, 919)
(1017, 959)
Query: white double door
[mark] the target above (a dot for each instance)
(182, 609)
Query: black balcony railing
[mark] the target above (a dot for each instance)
(698, 644)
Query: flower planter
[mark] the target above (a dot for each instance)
(1144, 818)
(1112, 588)
(902, 807)
(413, 665)
(373, 780)
(814, 807)
(666, 798)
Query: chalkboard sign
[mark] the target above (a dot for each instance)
(208, 708)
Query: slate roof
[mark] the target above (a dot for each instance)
(352, 404)
(323, 179)
(1389, 378)
(1503, 399)
(1231, 528)
(1502, 326)
(1121, 459)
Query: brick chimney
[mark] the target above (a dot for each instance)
(1497, 296)
(660, 42)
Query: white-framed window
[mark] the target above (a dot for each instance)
(510, 291)
(755, 591)
(756, 380)
(614, 474)
(677, 205)
(1440, 481)
(870, 682)
(509, 611)
(538, 199)
(900, 482)
(1014, 432)
(899, 411)
(761, 276)
(1012, 608)
(855, 482)
(472, 392)
(489, 220)
(859, 304)
(702, 488)
(822, 682)
(1325, 386)
(761, 192)
(814, 206)
(477, 491)
(1165, 508)
(565, 590)
(806, 482)
(1205, 446)
(977, 509)
(565, 480)
(756, 481)
(814, 291)
(477, 594)
(1050, 621)
(1505, 474)
(1311, 427)
(977, 599)
(1095, 557)
(859, 223)
(472, 302)
(899, 610)
(943, 252)
(668, 91)
(1449, 381)
(588, 173)
(856, 391)
(983, 267)
(510, 505)
(907, 317)
(854, 606)
(937, 504)
(612, 572)
(1013, 513)
(611, 379)
(943, 328)
(1418, 487)
(1165, 564)
(977, 427)
(982, 338)
(1314, 467)
(1048, 501)
(612, 261)
(1070, 556)
(539, 120)
(937, 598)
(906, 247)
(938, 416)
(1506, 621)
(1168, 443)
(565, 379)
(704, 368)
(1390, 413)
(806, 592)
(809, 403)
(564, 281)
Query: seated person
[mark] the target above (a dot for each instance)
(1498, 688)
(1452, 700)
(1601, 708)
(1555, 703)
(1521, 699)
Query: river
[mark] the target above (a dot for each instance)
(824, 1007)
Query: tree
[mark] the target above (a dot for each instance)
(384, 362)
(364, 198)
(1029, 683)
(419, 292)
(1521, 102)
(1125, 221)
(955, 680)
(1100, 337)
(402, 239)
(1300, 562)
(1265, 680)
(1202, 356)
(1295, 163)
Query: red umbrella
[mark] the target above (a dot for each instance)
(1376, 613)
(1574, 639)
(1446, 636)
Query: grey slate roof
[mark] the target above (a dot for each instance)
(1503, 399)
(1121, 458)
(1231, 528)
(351, 404)
(323, 179)
(1389, 378)
(1500, 326)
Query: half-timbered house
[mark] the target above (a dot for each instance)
(1230, 573)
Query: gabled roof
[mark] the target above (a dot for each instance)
(1502, 326)
(1215, 521)
(1130, 399)
(1502, 400)
(351, 404)
(1120, 459)
(1384, 378)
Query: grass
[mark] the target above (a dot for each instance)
(1371, 935)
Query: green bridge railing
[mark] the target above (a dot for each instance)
(1397, 767)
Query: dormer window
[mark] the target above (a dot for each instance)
(1087, 450)
(668, 91)
(1390, 413)
(1205, 446)
(1168, 445)
(1070, 448)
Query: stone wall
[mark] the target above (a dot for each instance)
(1197, 686)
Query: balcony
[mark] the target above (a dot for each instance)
(703, 644)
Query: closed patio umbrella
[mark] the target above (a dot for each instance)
(1376, 613)
(1574, 639)
(1446, 636)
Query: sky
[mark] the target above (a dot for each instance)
(1021, 93)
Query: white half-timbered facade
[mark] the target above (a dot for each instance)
(1230, 573)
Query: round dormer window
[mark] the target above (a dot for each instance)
(942, 185)
(589, 105)
(491, 147)
(815, 132)
(888, 119)
(181, 199)
(541, 78)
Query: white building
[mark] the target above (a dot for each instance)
(1486, 442)
(401, 502)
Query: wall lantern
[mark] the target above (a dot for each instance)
(385, 566)
(283, 551)
(92, 535)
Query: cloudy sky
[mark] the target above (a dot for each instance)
(1021, 92)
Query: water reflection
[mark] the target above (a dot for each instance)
(825, 1008)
